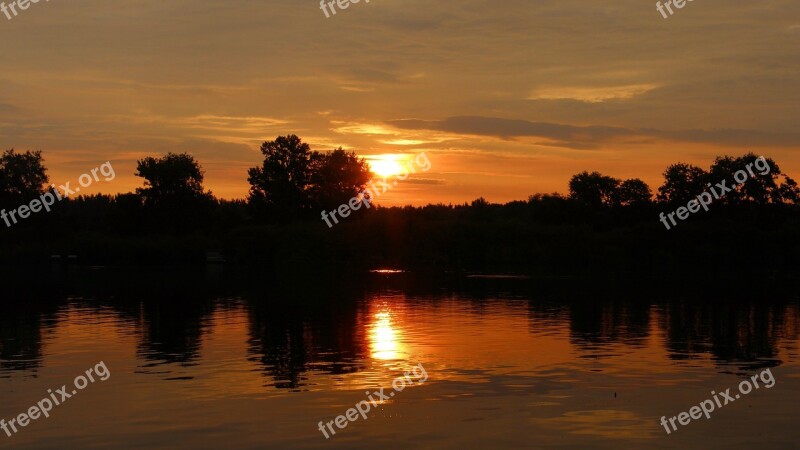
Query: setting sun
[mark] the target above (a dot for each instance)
(387, 165)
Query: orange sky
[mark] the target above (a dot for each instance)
(507, 98)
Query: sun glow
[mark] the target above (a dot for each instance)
(384, 339)
(388, 165)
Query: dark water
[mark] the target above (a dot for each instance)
(214, 360)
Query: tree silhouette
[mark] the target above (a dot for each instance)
(171, 179)
(752, 179)
(682, 182)
(763, 187)
(173, 195)
(724, 168)
(22, 177)
(336, 177)
(281, 182)
(594, 189)
(634, 192)
(293, 179)
(788, 191)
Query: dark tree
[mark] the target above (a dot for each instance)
(293, 179)
(634, 192)
(479, 202)
(336, 177)
(22, 177)
(788, 191)
(682, 182)
(755, 179)
(173, 195)
(763, 187)
(171, 179)
(281, 183)
(724, 168)
(594, 189)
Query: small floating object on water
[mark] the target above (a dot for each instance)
(387, 271)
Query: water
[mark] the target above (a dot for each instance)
(216, 360)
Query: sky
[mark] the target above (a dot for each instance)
(506, 98)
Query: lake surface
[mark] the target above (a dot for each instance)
(209, 359)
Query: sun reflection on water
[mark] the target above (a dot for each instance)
(384, 336)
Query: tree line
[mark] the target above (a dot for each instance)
(294, 182)
(173, 217)
(684, 182)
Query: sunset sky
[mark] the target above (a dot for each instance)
(507, 98)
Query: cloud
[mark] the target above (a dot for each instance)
(563, 135)
(403, 142)
(591, 94)
(7, 108)
(425, 181)
(231, 123)
(588, 137)
(361, 128)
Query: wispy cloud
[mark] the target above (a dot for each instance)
(590, 94)
(595, 136)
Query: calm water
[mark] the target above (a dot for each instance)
(214, 360)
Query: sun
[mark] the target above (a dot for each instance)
(387, 165)
(385, 168)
